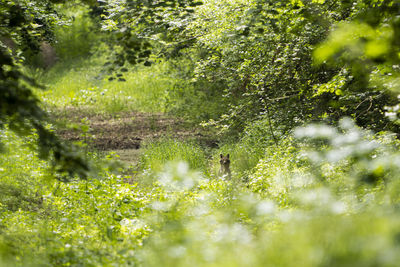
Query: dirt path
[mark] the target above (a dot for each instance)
(125, 133)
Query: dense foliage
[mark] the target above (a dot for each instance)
(302, 93)
(261, 53)
(255, 59)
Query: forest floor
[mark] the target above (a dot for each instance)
(125, 133)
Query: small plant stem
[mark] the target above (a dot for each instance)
(270, 126)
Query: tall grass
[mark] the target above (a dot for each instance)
(156, 154)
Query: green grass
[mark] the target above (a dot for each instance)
(79, 84)
(158, 153)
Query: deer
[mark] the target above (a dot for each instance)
(225, 170)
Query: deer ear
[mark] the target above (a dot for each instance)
(221, 156)
(227, 155)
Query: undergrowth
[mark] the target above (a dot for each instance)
(298, 207)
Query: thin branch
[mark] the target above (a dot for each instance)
(365, 111)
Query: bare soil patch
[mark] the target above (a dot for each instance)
(126, 130)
